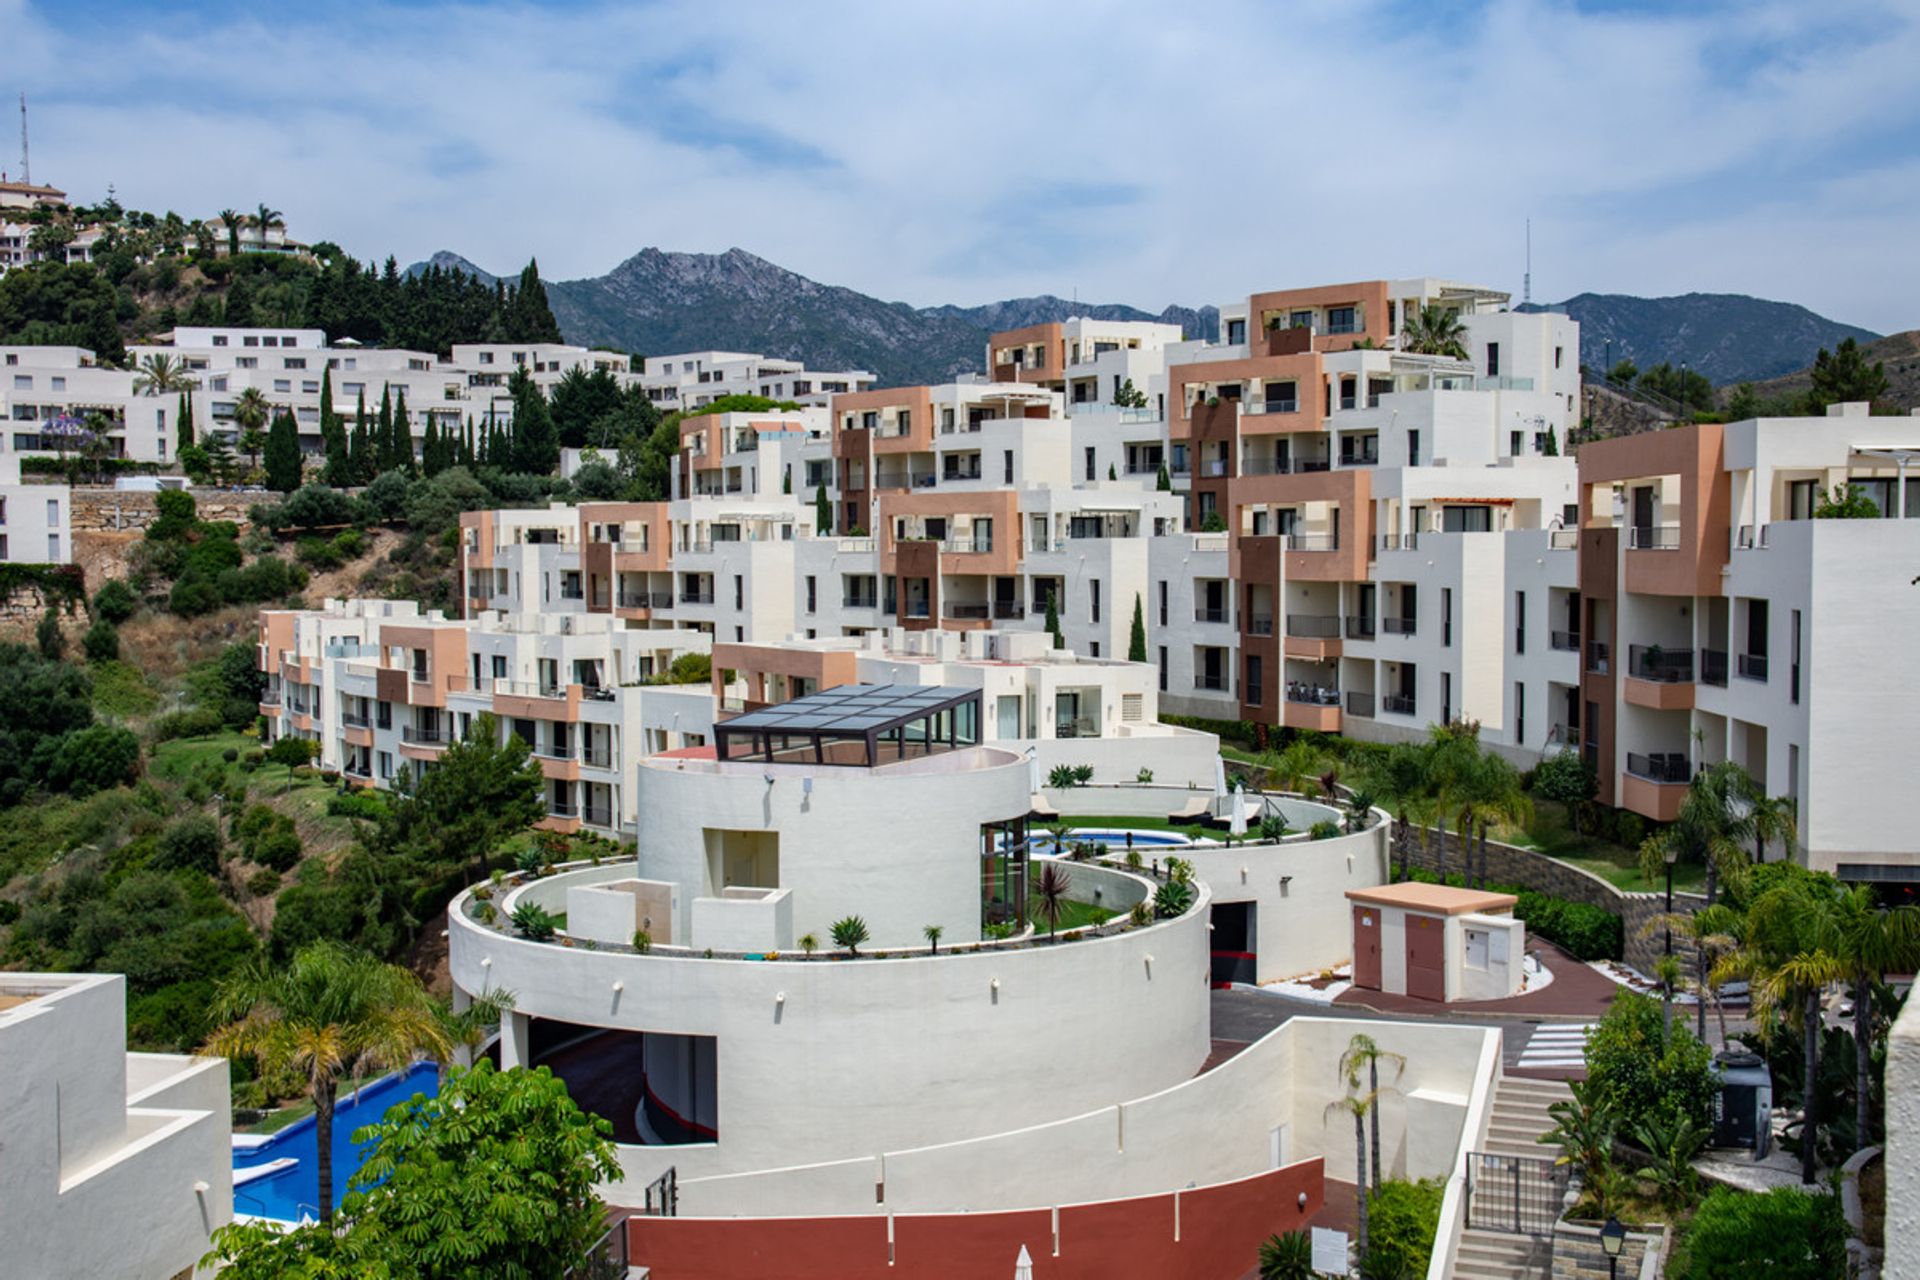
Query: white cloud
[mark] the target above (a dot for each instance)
(1129, 151)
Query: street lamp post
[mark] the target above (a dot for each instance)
(1613, 1237)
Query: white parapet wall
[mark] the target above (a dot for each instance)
(744, 919)
(1265, 1107)
(832, 1058)
(1903, 1145)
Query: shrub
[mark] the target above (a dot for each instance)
(1063, 777)
(1140, 915)
(1565, 777)
(192, 843)
(101, 642)
(349, 544)
(1785, 1234)
(387, 495)
(643, 941)
(1640, 1080)
(314, 506)
(1589, 932)
(1144, 776)
(317, 553)
(1402, 1222)
(115, 602)
(370, 805)
(48, 636)
(263, 882)
(533, 920)
(848, 933)
(195, 723)
(84, 761)
(1325, 829)
(1174, 898)
(9, 911)
(279, 848)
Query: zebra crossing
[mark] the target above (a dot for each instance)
(1555, 1046)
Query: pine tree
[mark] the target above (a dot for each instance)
(536, 445)
(1137, 640)
(183, 428)
(1163, 482)
(360, 460)
(282, 454)
(402, 433)
(430, 464)
(822, 511)
(1053, 621)
(528, 317)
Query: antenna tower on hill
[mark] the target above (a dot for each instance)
(26, 170)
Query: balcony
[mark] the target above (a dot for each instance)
(1663, 537)
(1713, 667)
(694, 596)
(1664, 767)
(1566, 641)
(1399, 626)
(597, 757)
(1349, 402)
(1599, 657)
(1270, 406)
(1312, 541)
(1360, 628)
(967, 612)
(1009, 610)
(1260, 624)
(646, 599)
(1563, 539)
(562, 809)
(353, 721)
(417, 736)
(597, 816)
(555, 751)
(357, 769)
(1360, 704)
(916, 609)
(1660, 665)
(974, 546)
(961, 473)
(1753, 666)
(1313, 626)
(270, 698)
(1399, 704)
(1210, 684)
(1312, 695)
(859, 602)
(1359, 459)
(1202, 613)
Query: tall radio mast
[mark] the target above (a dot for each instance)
(26, 170)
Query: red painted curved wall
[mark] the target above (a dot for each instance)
(1220, 1230)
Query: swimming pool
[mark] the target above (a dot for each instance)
(1112, 838)
(286, 1191)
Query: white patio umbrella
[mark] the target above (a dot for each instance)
(1237, 817)
(1033, 770)
(1023, 1265)
(1219, 782)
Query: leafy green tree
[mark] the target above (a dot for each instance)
(1436, 331)
(1689, 387)
(47, 636)
(192, 844)
(331, 1014)
(1640, 1074)
(492, 1177)
(536, 446)
(1128, 396)
(1567, 779)
(292, 753)
(115, 601)
(1137, 637)
(482, 791)
(1847, 502)
(250, 411)
(1782, 1234)
(1870, 942)
(41, 699)
(1624, 372)
(400, 445)
(84, 761)
(1844, 376)
(283, 454)
(1743, 403)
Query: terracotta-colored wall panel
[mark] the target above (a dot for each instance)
(1657, 800)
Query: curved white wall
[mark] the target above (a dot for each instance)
(898, 846)
(867, 1055)
(1302, 920)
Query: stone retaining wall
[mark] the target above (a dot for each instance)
(1577, 1254)
(100, 509)
(1510, 864)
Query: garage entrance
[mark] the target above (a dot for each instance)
(1235, 943)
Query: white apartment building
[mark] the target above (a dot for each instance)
(117, 1163)
(695, 378)
(35, 519)
(382, 687)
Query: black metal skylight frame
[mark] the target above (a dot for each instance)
(915, 719)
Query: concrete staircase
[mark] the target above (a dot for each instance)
(1518, 1119)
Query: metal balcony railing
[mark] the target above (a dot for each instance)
(690, 596)
(1312, 542)
(1753, 666)
(1665, 767)
(562, 809)
(1259, 624)
(859, 602)
(1359, 628)
(1399, 704)
(1399, 626)
(1009, 609)
(353, 721)
(1713, 667)
(1203, 614)
(597, 757)
(646, 599)
(1565, 640)
(1662, 537)
(1210, 684)
(967, 546)
(967, 612)
(597, 816)
(1661, 665)
(1360, 704)
(424, 737)
(1312, 695)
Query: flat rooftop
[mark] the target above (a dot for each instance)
(860, 725)
(1434, 899)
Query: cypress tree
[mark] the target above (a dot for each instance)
(1137, 641)
(282, 455)
(402, 433)
(333, 436)
(529, 318)
(822, 511)
(1053, 621)
(536, 445)
(430, 449)
(360, 461)
(183, 429)
(383, 432)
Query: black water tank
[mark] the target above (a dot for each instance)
(1742, 1102)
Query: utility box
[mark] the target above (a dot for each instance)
(1743, 1102)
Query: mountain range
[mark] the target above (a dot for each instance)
(660, 301)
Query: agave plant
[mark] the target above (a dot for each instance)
(848, 933)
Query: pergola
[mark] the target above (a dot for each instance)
(855, 725)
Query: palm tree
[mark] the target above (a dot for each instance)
(1772, 820)
(1398, 777)
(1435, 331)
(467, 1029)
(1357, 1105)
(1364, 1051)
(250, 411)
(1870, 942)
(1716, 932)
(1666, 973)
(231, 219)
(1499, 797)
(266, 219)
(160, 374)
(1711, 828)
(332, 1013)
(1051, 891)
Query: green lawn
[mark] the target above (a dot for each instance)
(275, 1121)
(1117, 822)
(179, 758)
(1553, 834)
(1074, 915)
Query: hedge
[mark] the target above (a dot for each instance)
(1586, 931)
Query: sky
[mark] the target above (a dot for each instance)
(1147, 153)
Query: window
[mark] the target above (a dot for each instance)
(383, 716)
(1519, 713)
(906, 421)
(1343, 319)
(53, 511)
(1163, 605)
(219, 339)
(1519, 622)
(1446, 617)
(1090, 465)
(1163, 668)
(499, 666)
(1493, 359)
(59, 383)
(1514, 444)
(1093, 585)
(1093, 648)
(1793, 657)
(294, 362)
(1236, 332)
(1446, 697)
(249, 340)
(1133, 707)
(53, 548)
(1413, 448)
(1007, 461)
(813, 595)
(386, 764)
(739, 592)
(1559, 354)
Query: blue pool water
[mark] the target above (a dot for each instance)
(294, 1191)
(1043, 843)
